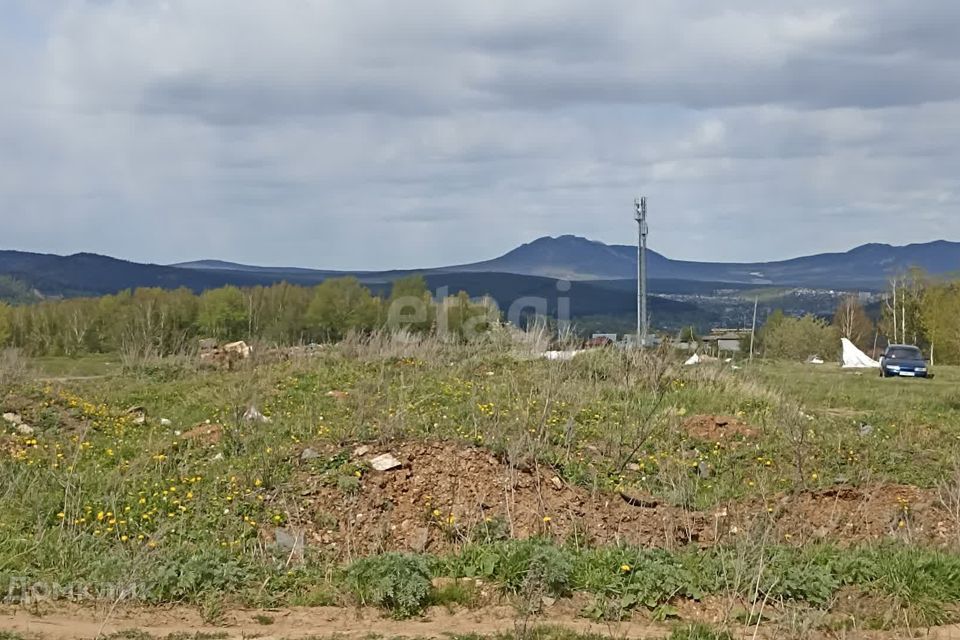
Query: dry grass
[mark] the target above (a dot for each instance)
(948, 491)
(13, 367)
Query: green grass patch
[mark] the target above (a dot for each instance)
(101, 364)
(93, 494)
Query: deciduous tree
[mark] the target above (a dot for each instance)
(341, 305)
(853, 323)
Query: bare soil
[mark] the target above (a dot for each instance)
(714, 428)
(445, 494)
(66, 622)
(862, 514)
(204, 434)
(66, 418)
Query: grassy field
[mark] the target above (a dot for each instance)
(93, 365)
(805, 498)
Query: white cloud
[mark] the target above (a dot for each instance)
(373, 135)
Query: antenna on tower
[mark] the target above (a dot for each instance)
(643, 326)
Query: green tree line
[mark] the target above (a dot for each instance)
(917, 309)
(797, 338)
(925, 311)
(160, 322)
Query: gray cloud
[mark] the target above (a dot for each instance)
(370, 135)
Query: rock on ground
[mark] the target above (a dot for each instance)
(253, 415)
(385, 462)
(309, 454)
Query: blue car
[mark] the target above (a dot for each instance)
(905, 361)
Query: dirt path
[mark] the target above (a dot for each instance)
(65, 622)
(74, 378)
(68, 623)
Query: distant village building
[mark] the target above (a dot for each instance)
(630, 340)
(600, 340)
(724, 341)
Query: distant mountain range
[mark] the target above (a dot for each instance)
(603, 276)
(868, 266)
(93, 275)
(575, 258)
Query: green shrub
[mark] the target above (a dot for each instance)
(797, 338)
(397, 582)
(792, 575)
(517, 564)
(623, 578)
(192, 575)
(348, 485)
(550, 569)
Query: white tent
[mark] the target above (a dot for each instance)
(561, 355)
(853, 358)
(694, 359)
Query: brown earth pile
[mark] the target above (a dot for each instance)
(714, 428)
(444, 495)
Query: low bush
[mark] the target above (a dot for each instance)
(516, 565)
(194, 575)
(397, 582)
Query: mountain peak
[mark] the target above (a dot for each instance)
(573, 257)
(563, 239)
(568, 257)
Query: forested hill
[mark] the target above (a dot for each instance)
(564, 257)
(32, 275)
(86, 274)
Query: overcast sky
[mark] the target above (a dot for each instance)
(378, 134)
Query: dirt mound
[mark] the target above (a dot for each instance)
(713, 428)
(60, 412)
(882, 511)
(204, 434)
(445, 495)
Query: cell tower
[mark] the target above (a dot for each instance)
(643, 328)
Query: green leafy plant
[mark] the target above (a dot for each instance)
(191, 575)
(348, 485)
(397, 582)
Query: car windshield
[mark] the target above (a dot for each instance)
(904, 353)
